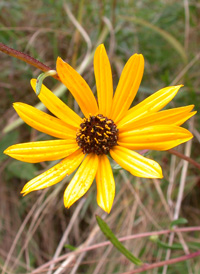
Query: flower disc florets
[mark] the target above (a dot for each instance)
(97, 134)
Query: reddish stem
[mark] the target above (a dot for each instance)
(167, 262)
(26, 58)
(96, 246)
(182, 156)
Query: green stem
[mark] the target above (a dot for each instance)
(41, 78)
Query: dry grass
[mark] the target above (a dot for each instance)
(36, 230)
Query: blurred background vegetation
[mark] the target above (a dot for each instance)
(37, 228)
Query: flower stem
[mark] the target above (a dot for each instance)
(162, 263)
(26, 58)
(182, 156)
(41, 78)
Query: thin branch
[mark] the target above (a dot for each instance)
(162, 263)
(182, 156)
(26, 58)
(66, 233)
(106, 243)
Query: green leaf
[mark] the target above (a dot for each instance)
(179, 221)
(166, 35)
(70, 247)
(116, 166)
(22, 170)
(112, 238)
(194, 245)
(164, 245)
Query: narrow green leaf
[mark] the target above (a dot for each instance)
(176, 246)
(164, 245)
(112, 238)
(194, 245)
(117, 167)
(166, 35)
(70, 247)
(179, 221)
(41, 78)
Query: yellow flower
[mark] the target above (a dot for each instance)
(109, 127)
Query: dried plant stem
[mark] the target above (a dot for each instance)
(37, 217)
(112, 36)
(26, 58)
(82, 32)
(184, 157)
(167, 262)
(179, 201)
(122, 239)
(187, 24)
(89, 240)
(185, 69)
(66, 233)
(162, 197)
(137, 198)
(20, 231)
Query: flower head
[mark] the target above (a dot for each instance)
(110, 127)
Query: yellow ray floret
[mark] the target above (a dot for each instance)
(127, 87)
(152, 104)
(55, 174)
(154, 137)
(104, 83)
(35, 152)
(56, 106)
(82, 180)
(105, 184)
(135, 163)
(78, 87)
(175, 116)
(44, 122)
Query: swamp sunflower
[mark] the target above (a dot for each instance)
(110, 127)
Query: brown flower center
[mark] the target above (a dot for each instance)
(97, 134)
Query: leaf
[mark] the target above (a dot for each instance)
(176, 246)
(166, 35)
(194, 245)
(70, 247)
(164, 245)
(117, 167)
(112, 238)
(22, 170)
(179, 221)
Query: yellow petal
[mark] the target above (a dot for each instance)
(135, 163)
(82, 180)
(127, 88)
(78, 87)
(151, 104)
(35, 152)
(105, 184)
(57, 107)
(175, 116)
(44, 122)
(104, 83)
(154, 137)
(55, 174)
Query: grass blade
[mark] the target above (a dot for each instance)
(113, 239)
(167, 36)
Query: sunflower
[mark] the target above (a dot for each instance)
(110, 128)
